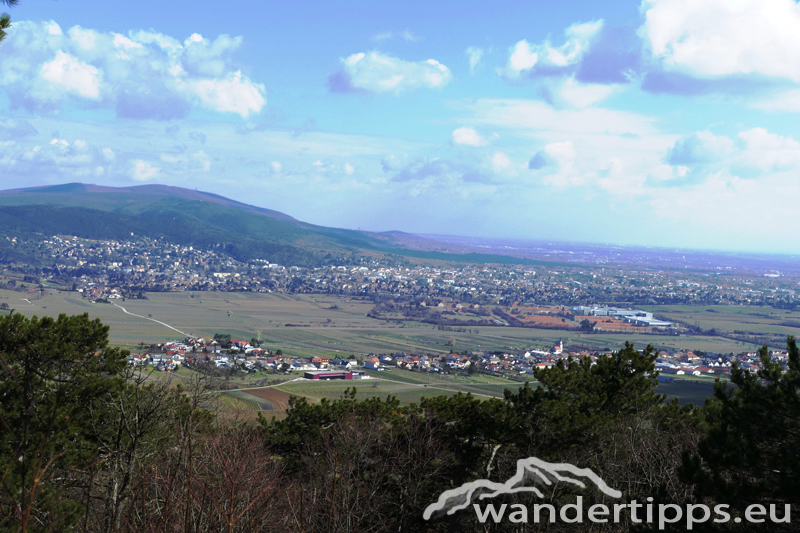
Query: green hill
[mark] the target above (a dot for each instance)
(198, 219)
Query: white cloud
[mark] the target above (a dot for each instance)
(598, 150)
(572, 93)
(785, 101)
(348, 169)
(724, 37)
(139, 75)
(83, 38)
(379, 73)
(142, 170)
(769, 152)
(532, 117)
(468, 136)
(563, 152)
(757, 153)
(58, 159)
(70, 75)
(700, 149)
(475, 55)
(501, 163)
(276, 166)
(553, 68)
(524, 56)
(230, 95)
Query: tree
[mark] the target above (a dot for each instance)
(54, 378)
(751, 451)
(5, 18)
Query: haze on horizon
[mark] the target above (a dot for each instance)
(657, 123)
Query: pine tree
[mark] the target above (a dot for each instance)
(751, 451)
(5, 18)
(53, 374)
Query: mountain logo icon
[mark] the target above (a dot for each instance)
(532, 473)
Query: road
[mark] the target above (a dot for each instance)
(152, 320)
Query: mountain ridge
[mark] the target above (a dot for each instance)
(200, 218)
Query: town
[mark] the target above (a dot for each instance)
(128, 269)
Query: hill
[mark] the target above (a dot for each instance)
(200, 219)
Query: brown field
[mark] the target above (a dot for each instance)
(545, 321)
(278, 398)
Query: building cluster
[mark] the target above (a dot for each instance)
(129, 268)
(631, 316)
(241, 355)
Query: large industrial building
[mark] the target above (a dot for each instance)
(633, 316)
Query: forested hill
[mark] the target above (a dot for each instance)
(198, 219)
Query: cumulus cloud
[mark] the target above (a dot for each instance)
(699, 149)
(181, 163)
(440, 171)
(468, 137)
(721, 38)
(71, 75)
(502, 163)
(233, 94)
(769, 152)
(588, 67)
(753, 154)
(142, 170)
(565, 172)
(57, 159)
(141, 75)
(524, 56)
(379, 73)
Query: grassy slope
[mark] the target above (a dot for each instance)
(197, 219)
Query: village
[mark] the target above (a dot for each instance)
(227, 355)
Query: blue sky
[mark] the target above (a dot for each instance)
(662, 123)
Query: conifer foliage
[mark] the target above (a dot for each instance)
(751, 451)
(5, 18)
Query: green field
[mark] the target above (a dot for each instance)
(688, 390)
(734, 317)
(405, 392)
(331, 326)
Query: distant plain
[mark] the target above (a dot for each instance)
(330, 326)
(322, 325)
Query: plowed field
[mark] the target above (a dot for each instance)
(278, 398)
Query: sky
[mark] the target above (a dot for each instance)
(667, 123)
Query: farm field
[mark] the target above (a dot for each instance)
(688, 390)
(270, 398)
(409, 390)
(405, 392)
(330, 326)
(736, 317)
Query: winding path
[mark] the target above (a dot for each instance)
(152, 320)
